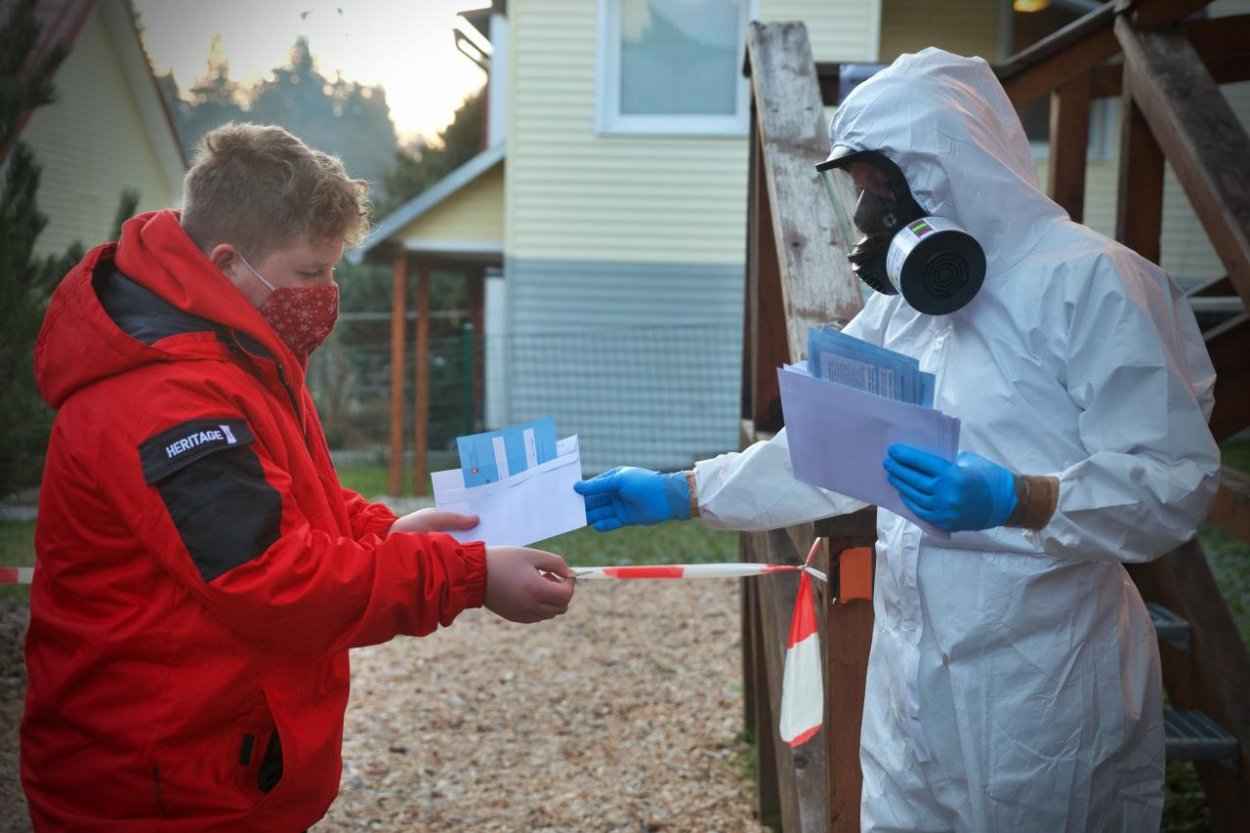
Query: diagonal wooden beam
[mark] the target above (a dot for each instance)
(1073, 50)
(1199, 134)
(1152, 14)
(1219, 37)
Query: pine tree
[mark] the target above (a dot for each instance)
(26, 281)
(420, 166)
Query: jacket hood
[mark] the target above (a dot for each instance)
(949, 126)
(168, 304)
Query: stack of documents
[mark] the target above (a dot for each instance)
(516, 507)
(840, 423)
(836, 357)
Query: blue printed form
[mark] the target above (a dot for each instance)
(846, 360)
(493, 456)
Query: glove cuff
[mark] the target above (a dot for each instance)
(1036, 499)
(677, 495)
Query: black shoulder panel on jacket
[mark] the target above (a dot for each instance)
(142, 314)
(212, 483)
(173, 448)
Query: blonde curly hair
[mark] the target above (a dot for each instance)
(260, 188)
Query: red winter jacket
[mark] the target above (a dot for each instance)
(200, 572)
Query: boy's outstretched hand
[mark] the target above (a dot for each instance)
(434, 520)
(518, 587)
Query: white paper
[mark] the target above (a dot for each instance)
(530, 506)
(838, 438)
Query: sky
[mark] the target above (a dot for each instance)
(407, 47)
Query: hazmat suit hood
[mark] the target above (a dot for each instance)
(946, 122)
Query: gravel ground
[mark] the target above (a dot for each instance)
(623, 715)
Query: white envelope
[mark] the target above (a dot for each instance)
(838, 438)
(535, 504)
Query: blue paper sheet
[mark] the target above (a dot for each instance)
(493, 456)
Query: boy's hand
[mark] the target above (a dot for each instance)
(433, 520)
(518, 587)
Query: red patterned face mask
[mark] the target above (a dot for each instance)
(301, 316)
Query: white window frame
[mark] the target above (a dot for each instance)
(608, 118)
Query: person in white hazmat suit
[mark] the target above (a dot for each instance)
(1013, 682)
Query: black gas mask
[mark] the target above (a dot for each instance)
(893, 246)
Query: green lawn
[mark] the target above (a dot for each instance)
(371, 477)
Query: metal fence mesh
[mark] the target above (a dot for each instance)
(658, 396)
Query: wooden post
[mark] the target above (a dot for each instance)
(799, 772)
(421, 420)
(1069, 137)
(848, 637)
(770, 349)
(797, 278)
(399, 279)
(477, 318)
(1139, 209)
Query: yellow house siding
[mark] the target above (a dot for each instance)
(576, 194)
(92, 145)
(966, 27)
(838, 31)
(474, 214)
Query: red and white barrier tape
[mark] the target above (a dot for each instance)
(802, 692)
(731, 569)
(16, 575)
(802, 689)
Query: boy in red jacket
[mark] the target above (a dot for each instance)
(201, 573)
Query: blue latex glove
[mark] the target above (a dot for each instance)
(627, 496)
(970, 493)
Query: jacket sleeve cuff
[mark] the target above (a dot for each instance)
(368, 518)
(474, 580)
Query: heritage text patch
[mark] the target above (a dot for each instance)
(193, 440)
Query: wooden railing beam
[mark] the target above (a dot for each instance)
(1073, 50)
(1153, 14)
(1219, 37)
(1198, 131)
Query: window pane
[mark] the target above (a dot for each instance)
(679, 57)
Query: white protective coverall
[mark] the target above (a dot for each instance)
(1014, 682)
